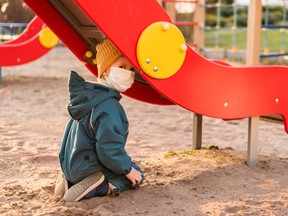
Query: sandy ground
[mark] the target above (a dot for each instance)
(33, 115)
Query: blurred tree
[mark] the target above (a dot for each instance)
(275, 14)
(2, 15)
(3, 1)
(16, 11)
(28, 14)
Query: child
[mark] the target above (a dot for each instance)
(93, 158)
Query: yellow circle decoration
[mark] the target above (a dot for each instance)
(161, 50)
(266, 51)
(88, 54)
(47, 38)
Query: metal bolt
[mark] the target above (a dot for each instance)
(277, 100)
(225, 104)
(155, 69)
(165, 27)
(148, 61)
(183, 47)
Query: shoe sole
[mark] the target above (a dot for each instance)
(82, 188)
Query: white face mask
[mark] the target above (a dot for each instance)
(120, 79)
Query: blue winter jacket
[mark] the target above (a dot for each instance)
(96, 134)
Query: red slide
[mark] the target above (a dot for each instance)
(35, 41)
(197, 84)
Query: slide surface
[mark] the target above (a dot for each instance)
(35, 41)
(66, 32)
(199, 85)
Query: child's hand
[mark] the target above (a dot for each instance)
(134, 176)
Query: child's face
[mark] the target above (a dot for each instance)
(123, 63)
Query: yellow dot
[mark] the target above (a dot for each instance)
(266, 51)
(161, 53)
(234, 49)
(47, 38)
(94, 61)
(88, 54)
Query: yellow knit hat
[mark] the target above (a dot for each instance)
(106, 55)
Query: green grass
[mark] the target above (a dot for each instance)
(274, 39)
(189, 151)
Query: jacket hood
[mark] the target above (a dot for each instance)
(86, 95)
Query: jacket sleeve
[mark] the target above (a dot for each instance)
(110, 143)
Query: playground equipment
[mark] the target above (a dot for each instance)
(218, 34)
(280, 28)
(189, 25)
(30, 30)
(267, 28)
(172, 72)
(218, 6)
(9, 31)
(33, 43)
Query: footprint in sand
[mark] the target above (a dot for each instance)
(5, 148)
(43, 160)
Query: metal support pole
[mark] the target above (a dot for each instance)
(252, 59)
(199, 18)
(253, 33)
(252, 150)
(197, 131)
(1, 76)
(170, 8)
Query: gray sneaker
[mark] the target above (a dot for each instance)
(61, 185)
(82, 188)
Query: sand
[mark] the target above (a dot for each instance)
(210, 181)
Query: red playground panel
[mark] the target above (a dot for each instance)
(35, 41)
(143, 31)
(33, 28)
